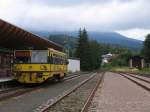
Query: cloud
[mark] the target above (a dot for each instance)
(135, 33)
(77, 2)
(95, 15)
(71, 2)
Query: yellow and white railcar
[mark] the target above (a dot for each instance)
(37, 66)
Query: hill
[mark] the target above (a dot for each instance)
(102, 37)
(116, 38)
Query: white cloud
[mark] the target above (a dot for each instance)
(136, 33)
(114, 15)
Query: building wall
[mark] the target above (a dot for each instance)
(5, 65)
(74, 65)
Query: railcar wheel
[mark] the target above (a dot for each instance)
(61, 79)
(56, 78)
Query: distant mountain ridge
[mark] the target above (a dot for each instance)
(102, 37)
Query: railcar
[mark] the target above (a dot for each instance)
(37, 66)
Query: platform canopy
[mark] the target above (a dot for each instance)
(13, 37)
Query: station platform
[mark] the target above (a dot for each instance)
(6, 79)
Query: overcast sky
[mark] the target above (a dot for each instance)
(128, 17)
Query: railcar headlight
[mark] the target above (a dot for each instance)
(43, 67)
(39, 75)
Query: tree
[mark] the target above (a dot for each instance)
(146, 49)
(82, 51)
(79, 45)
(123, 58)
(88, 51)
(95, 55)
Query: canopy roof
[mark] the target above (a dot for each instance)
(13, 37)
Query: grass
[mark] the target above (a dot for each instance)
(123, 69)
(144, 71)
(126, 69)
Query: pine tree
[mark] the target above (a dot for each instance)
(78, 49)
(86, 52)
(89, 52)
(82, 51)
(146, 48)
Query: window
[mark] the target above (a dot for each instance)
(22, 57)
(39, 56)
(22, 60)
(56, 58)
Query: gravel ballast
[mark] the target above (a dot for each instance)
(76, 100)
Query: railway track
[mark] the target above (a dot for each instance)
(138, 74)
(140, 81)
(17, 91)
(73, 75)
(8, 90)
(88, 102)
(46, 106)
(142, 78)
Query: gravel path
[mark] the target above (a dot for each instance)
(30, 101)
(118, 94)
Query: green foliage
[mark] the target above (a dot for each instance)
(111, 48)
(146, 49)
(95, 55)
(122, 59)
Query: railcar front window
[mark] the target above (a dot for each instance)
(39, 56)
(22, 57)
(22, 60)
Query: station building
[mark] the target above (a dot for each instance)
(5, 63)
(137, 62)
(74, 65)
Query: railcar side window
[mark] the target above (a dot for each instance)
(50, 59)
(55, 58)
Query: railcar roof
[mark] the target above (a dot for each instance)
(57, 52)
